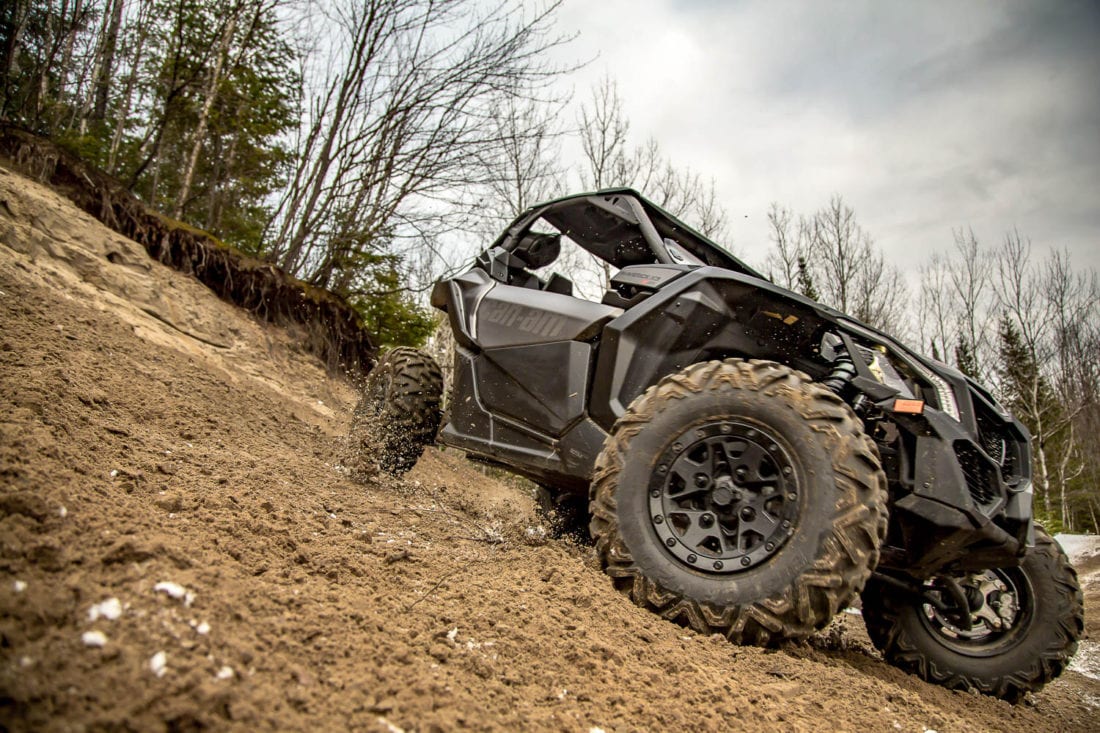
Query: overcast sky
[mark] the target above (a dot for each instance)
(924, 116)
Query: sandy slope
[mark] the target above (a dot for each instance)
(150, 433)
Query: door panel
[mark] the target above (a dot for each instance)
(540, 385)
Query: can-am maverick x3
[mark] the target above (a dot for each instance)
(750, 460)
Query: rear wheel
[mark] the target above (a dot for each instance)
(739, 498)
(565, 514)
(1018, 631)
(399, 410)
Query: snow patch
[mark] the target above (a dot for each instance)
(1079, 547)
(1087, 660)
(19, 586)
(225, 673)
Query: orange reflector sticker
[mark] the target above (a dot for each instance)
(911, 407)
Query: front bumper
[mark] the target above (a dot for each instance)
(960, 473)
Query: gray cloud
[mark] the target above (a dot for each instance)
(924, 116)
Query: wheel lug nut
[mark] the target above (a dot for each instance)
(656, 493)
(662, 469)
(692, 558)
(792, 496)
(658, 519)
(725, 428)
(786, 524)
(745, 561)
(718, 565)
(786, 470)
(770, 546)
(677, 447)
(701, 480)
(748, 514)
(707, 520)
(670, 542)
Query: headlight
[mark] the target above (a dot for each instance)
(884, 371)
(881, 368)
(944, 395)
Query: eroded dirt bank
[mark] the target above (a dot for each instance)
(155, 443)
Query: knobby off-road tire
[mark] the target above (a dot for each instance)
(566, 515)
(802, 562)
(399, 410)
(1049, 621)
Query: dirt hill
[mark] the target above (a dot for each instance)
(181, 548)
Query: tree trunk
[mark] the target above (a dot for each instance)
(66, 60)
(19, 15)
(107, 62)
(128, 94)
(199, 135)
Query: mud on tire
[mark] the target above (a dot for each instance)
(689, 548)
(398, 412)
(1006, 663)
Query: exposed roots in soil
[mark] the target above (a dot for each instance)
(332, 329)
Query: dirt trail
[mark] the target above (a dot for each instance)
(155, 442)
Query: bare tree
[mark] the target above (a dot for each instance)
(610, 161)
(971, 280)
(937, 310)
(829, 257)
(397, 131)
(526, 166)
(1031, 373)
(603, 131)
(1074, 306)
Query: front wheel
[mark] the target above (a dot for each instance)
(1018, 632)
(739, 498)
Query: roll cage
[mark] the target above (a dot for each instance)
(623, 228)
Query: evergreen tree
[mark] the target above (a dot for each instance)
(806, 280)
(965, 358)
(1030, 397)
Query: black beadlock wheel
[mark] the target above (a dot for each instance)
(398, 412)
(1024, 624)
(739, 497)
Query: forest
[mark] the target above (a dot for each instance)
(365, 146)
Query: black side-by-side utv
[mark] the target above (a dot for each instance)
(747, 460)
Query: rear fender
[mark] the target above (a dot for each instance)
(458, 298)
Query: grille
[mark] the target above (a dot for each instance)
(994, 446)
(997, 443)
(981, 479)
